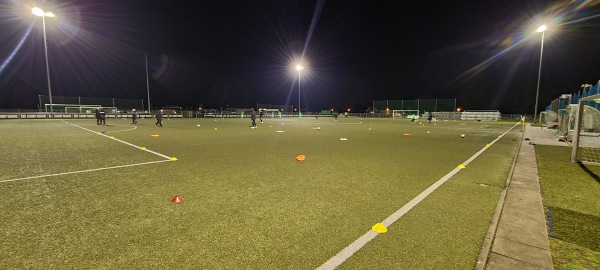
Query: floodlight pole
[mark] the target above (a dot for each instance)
(41, 13)
(299, 110)
(147, 83)
(537, 92)
(299, 68)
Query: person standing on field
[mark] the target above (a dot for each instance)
(159, 118)
(261, 115)
(97, 117)
(253, 117)
(102, 117)
(134, 117)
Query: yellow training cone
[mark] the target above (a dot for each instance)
(379, 228)
(488, 145)
(461, 166)
(143, 148)
(173, 158)
(499, 136)
(112, 137)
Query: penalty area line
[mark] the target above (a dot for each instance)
(359, 243)
(83, 171)
(124, 142)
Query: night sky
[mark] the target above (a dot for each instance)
(226, 53)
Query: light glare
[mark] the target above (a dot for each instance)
(542, 28)
(37, 11)
(299, 67)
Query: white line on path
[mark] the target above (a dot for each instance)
(347, 252)
(83, 171)
(130, 144)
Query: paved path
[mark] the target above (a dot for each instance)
(518, 237)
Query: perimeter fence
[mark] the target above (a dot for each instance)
(423, 105)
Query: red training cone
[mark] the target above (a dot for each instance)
(177, 199)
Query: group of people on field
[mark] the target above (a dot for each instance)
(101, 117)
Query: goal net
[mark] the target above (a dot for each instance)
(585, 132)
(172, 110)
(75, 108)
(549, 119)
(484, 115)
(405, 114)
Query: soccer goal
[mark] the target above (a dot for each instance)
(75, 108)
(481, 115)
(549, 119)
(405, 114)
(586, 131)
(172, 110)
(82, 109)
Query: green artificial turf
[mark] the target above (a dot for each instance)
(248, 204)
(567, 256)
(572, 196)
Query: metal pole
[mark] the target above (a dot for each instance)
(575, 140)
(537, 92)
(47, 66)
(147, 83)
(299, 110)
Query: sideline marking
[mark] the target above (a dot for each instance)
(83, 171)
(130, 144)
(347, 252)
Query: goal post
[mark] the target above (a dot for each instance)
(172, 110)
(586, 131)
(77, 108)
(405, 114)
(481, 115)
(82, 109)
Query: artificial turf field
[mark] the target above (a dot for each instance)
(77, 195)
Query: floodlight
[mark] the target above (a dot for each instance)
(542, 28)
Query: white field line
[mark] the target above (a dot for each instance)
(130, 144)
(347, 252)
(132, 128)
(83, 171)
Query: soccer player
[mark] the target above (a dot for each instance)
(261, 115)
(102, 117)
(158, 118)
(134, 117)
(253, 117)
(97, 117)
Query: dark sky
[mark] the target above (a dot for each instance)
(238, 53)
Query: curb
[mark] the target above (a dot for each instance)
(491, 234)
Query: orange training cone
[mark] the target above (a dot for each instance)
(300, 158)
(177, 199)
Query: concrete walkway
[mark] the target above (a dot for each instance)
(518, 237)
